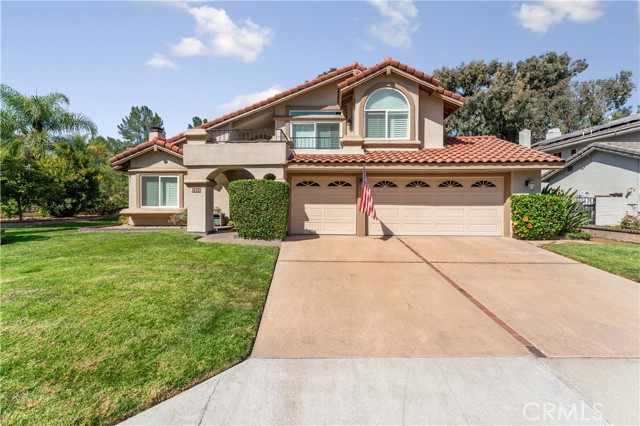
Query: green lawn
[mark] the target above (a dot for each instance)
(98, 326)
(621, 259)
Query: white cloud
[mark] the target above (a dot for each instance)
(160, 61)
(541, 16)
(218, 35)
(397, 24)
(247, 99)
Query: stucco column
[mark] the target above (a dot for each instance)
(199, 203)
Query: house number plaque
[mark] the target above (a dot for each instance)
(196, 190)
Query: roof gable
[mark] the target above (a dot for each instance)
(625, 149)
(119, 161)
(453, 100)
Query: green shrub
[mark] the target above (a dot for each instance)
(579, 236)
(179, 219)
(537, 216)
(10, 208)
(259, 208)
(576, 216)
(630, 222)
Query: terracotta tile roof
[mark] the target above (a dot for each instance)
(179, 138)
(402, 67)
(317, 80)
(155, 141)
(457, 150)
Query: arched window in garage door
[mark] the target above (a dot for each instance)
(483, 184)
(307, 183)
(417, 184)
(450, 184)
(385, 184)
(339, 183)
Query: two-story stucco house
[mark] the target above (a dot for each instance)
(318, 136)
(601, 162)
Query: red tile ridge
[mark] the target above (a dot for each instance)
(402, 67)
(165, 143)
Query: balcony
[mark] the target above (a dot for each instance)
(327, 142)
(247, 135)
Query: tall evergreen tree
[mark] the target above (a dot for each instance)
(135, 127)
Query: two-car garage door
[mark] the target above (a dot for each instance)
(405, 206)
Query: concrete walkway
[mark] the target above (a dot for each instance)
(429, 330)
(483, 391)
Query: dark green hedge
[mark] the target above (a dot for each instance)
(259, 208)
(537, 216)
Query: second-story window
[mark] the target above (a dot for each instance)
(386, 115)
(315, 135)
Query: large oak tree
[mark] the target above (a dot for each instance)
(537, 93)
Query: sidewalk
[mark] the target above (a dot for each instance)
(496, 391)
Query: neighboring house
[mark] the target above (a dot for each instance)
(318, 136)
(601, 162)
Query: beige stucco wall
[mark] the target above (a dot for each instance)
(409, 88)
(235, 154)
(156, 160)
(324, 96)
(430, 121)
(153, 163)
(518, 179)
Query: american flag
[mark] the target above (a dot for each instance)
(366, 202)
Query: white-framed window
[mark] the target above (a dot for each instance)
(316, 134)
(386, 115)
(159, 191)
(301, 113)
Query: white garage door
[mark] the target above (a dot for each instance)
(438, 206)
(323, 205)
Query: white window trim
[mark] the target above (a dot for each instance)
(386, 117)
(315, 127)
(319, 112)
(159, 177)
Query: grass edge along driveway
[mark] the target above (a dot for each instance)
(98, 326)
(622, 259)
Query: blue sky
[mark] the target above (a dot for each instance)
(207, 58)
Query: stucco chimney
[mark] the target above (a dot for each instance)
(553, 133)
(156, 132)
(524, 138)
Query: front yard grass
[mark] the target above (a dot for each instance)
(621, 259)
(98, 326)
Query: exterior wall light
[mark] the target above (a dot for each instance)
(530, 183)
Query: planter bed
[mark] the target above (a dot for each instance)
(37, 221)
(626, 235)
(129, 228)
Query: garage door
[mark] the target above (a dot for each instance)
(438, 206)
(324, 205)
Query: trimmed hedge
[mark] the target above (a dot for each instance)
(259, 208)
(537, 216)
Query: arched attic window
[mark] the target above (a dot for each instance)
(386, 114)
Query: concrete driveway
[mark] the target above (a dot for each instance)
(337, 297)
(429, 330)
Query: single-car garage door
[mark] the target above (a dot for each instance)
(438, 206)
(323, 205)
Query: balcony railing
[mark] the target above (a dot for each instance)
(327, 142)
(248, 135)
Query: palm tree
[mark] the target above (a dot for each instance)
(39, 120)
